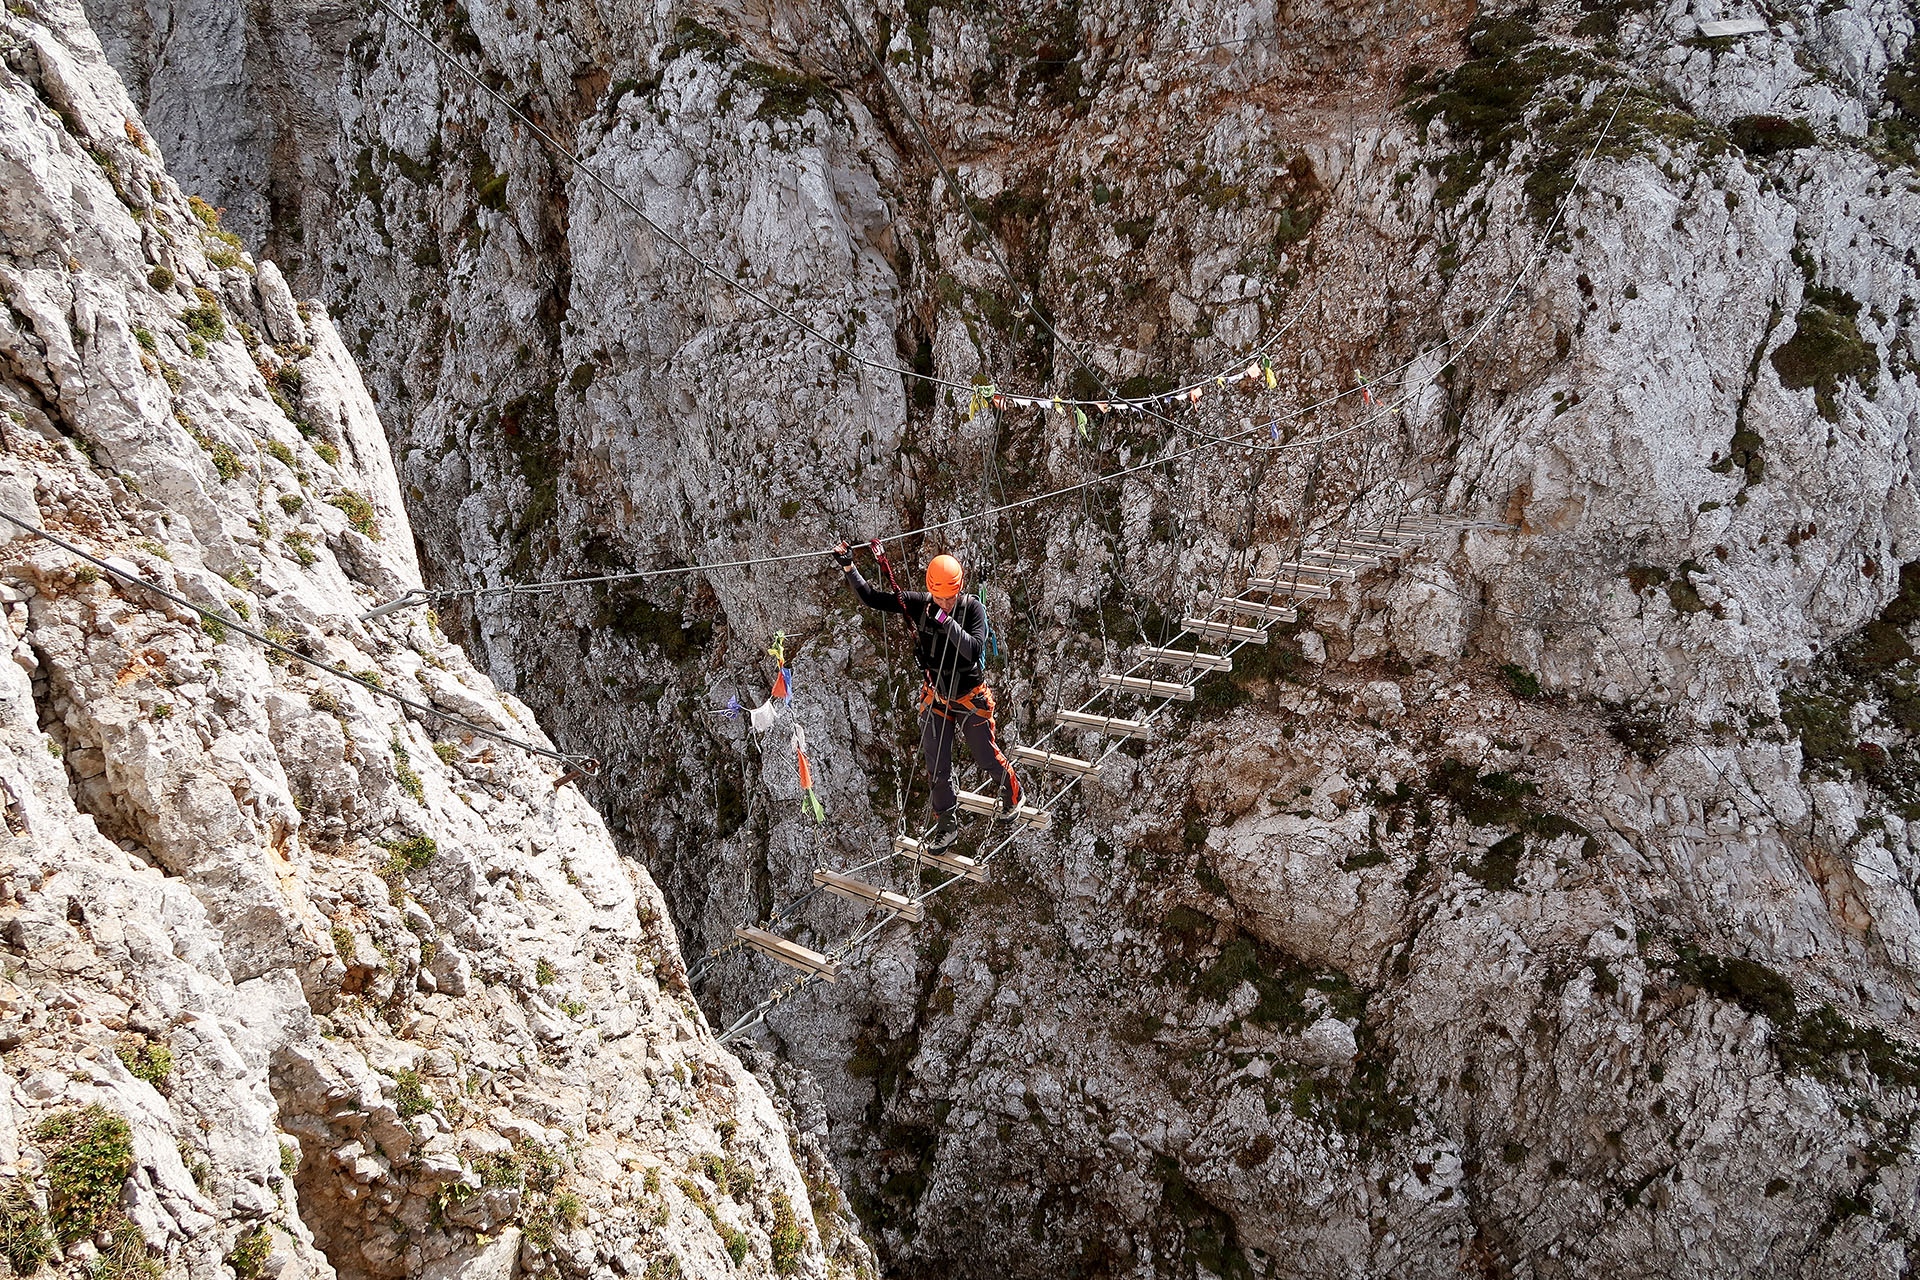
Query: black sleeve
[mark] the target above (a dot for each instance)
(873, 597)
(968, 640)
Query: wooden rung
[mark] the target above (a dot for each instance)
(1289, 587)
(1378, 550)
(871, 894)
(1105, 724)
(803, 958)
(1404, 533)
(1359, 563)
(1152, 688)
(1270, 611)
(1188, 658)
(1224, 630)
(1026, 815)
(922, 856)
(1285, 572)
(1054, 762)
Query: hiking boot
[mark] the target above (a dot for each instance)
(1010, 797)
(944, 832)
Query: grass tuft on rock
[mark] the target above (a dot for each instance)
(89, 1159)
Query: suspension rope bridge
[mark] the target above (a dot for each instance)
(1315, 569)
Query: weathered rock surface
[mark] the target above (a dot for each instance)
(1546, 908)
(324, 987)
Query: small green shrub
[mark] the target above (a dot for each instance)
(403, 772)
(280, 453)
(328, 454)
(89, 1159)
(543, 972)
(299, 544)
(291, 503)
(411, 1096)
(227, 462)
(216, 630)
(206, 321)
(144, 1058)
(413, 853)
(146, 340)
(251, 1250)
(161, 279)
(359, 512)
(1522, 682)
(788, 1238)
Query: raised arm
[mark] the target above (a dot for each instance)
(870, 596)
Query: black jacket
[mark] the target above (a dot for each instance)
(952, 653)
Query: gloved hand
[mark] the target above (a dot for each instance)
(844, 555)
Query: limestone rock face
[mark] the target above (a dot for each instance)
(1545, 906)
(305, 982)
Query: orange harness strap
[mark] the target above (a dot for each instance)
(945, 707)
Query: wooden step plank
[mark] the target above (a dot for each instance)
(1358, 563)
(1311, 572)
(1055, 762)
(871, 894)
(939, 859)
(1026, 815)
(791, 953)
(1104, 724)
(1401, 533)
(1272, 611)
(1224, 630)
(1298, 590)
(1188, 658)
(1151, 688)
(1381, 550)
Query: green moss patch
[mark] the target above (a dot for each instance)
(1870, 679)
(1769, 135)
(1826, 348)
(1820, 1043)
(1499, 800)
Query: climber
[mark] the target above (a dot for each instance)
(950, 640)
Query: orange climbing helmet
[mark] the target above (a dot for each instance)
(944, 576)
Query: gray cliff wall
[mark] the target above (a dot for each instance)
(1545, 908)
(302, 983)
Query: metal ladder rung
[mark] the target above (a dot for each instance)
(1151, 688)
(871, 894)
(1225, 630)
(1105, 724)
(1188, 658)
(1026, 815)
(1055, 762)
(922, 856)
(789, 953)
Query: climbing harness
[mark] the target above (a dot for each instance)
(956, 709)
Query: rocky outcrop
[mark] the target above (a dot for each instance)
(298, 982)
(1547, 908)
